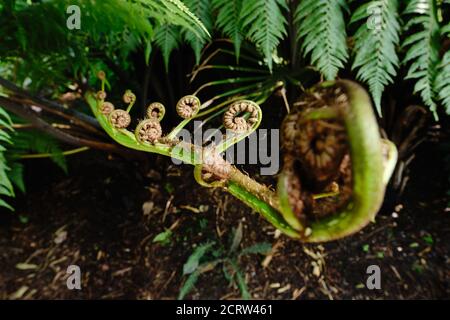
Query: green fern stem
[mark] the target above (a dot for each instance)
(49, 155)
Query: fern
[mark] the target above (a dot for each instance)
(375, 45)
(320, 24)
(173, 12)
(266, 24)
(443, 79)
(202, 9)
(6, 187)
(229, 21)
(423, 48)
(114, 27)
(38, 142)
(167, 38)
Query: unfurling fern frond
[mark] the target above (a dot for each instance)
(375, 45)
(167, 38)
(423, 48)
(443, 79)
(321, 27)
(202, 9)
(265, 23)
(229, 21)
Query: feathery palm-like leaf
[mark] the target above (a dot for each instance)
(443, 78)
(167, 38)
(229, 21)
(321, 27)
(6, 187)
(423, 48)
(202, 9)
(174, 12)
(375, 45)
(265, 23)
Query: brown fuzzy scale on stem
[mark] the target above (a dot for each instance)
(214, 165)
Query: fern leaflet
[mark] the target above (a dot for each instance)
(202, 9)
(375, 45)
(321, 26)
(423, 48)
(229, 21)
(167, 38)
(266, 24)
(443, 79)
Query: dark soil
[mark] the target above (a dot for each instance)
(104, 215)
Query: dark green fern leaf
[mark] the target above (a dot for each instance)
(229, 21)
(321, 27)
(36, 142)
(15, 174)
(167, 38)
(376, 40)
(442, 86)
(202, 9)
(6, 187)
(265, 23)
(423, 48)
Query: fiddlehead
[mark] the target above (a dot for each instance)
(101, 95)
(129, 97)
(156, 111)
(241, 119)
(106, 107)
(234, 118)
(331, 144)
(120, 119)
(188, 106)
(148, 130)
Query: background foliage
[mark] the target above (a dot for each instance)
(275, 44)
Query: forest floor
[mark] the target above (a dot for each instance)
(105, 214)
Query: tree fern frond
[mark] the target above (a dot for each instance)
(16, 176)
(423, 48)
(6, 187)
(229, 21)
(266, 24)
(376, 40)
(167, 38)
(202, 9)
(442, 86)
(185, 11)
(174, 12)
(33, 141)
(320, 24)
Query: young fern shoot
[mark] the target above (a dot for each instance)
(336, 166)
